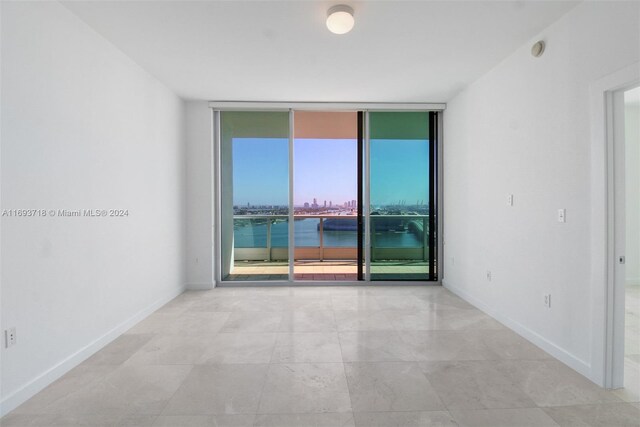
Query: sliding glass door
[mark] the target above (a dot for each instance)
(254, 205)
(402, 195)
(296, 188)
(326, 187)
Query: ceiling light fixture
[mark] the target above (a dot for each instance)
(340, 19)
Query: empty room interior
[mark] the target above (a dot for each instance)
(320, 213)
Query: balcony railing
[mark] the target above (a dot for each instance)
(386, 239)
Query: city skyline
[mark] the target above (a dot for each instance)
(326, 169)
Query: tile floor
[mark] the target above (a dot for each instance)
(322, 356)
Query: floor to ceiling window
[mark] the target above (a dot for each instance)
(402, 196)
(254, 203)
(297, 188)
(325, 194)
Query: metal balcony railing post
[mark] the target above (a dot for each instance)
(425, 238)
(321, 239)
(372, 237)
(269, 239)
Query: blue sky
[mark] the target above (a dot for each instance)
(399, 171)
(326, 169)
(260, 171)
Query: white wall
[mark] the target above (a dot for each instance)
(632, 189)
(1, 234)
(524, 129)
(199, 196)
(83, 127)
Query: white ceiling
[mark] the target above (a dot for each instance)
(399, 51)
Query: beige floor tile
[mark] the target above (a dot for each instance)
(447, 345)
(354, 303)
(219, 389)
(274, 303)
(204, 421)
(238, 348)
(475, 385)
(197, 324)
(119, 350)
(374, 320)
(374, 346)
(125, 391)
(102, 420)
(225, 302)
(306, 420)
(28, 420)
(218, 357)
(527, 417)
(307, 347)
(603, 415)
(156, 323)
(76, 379)
(170, 350)
(253, 322)
(405, 419)
(348, 291)
(551, 383)
(394, 290)
(308, 321)
(442, 320)
(305, 388)
(444, 300)
(390, 386)
(178, 305)
(309, 303)
(402, 302)
(506, 344)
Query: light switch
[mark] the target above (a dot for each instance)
(562, 215)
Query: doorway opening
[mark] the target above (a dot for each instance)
(327, 201)
(626, 122)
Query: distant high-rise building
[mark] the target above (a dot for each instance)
(330, 203)
(354, 203)
(325, 203)
(306, 205)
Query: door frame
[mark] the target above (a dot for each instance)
(607, 331)
(218, 106)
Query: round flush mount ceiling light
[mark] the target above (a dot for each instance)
(340, 19)
(537, 49)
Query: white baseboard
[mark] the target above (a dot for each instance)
(203, 286)
(34, 386)
(556, 351)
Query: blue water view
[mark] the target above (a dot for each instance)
(251, 233)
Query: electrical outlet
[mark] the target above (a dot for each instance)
(562, 215)
(547, 300)
(10, 337)
(489, 275)
(510, 200)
